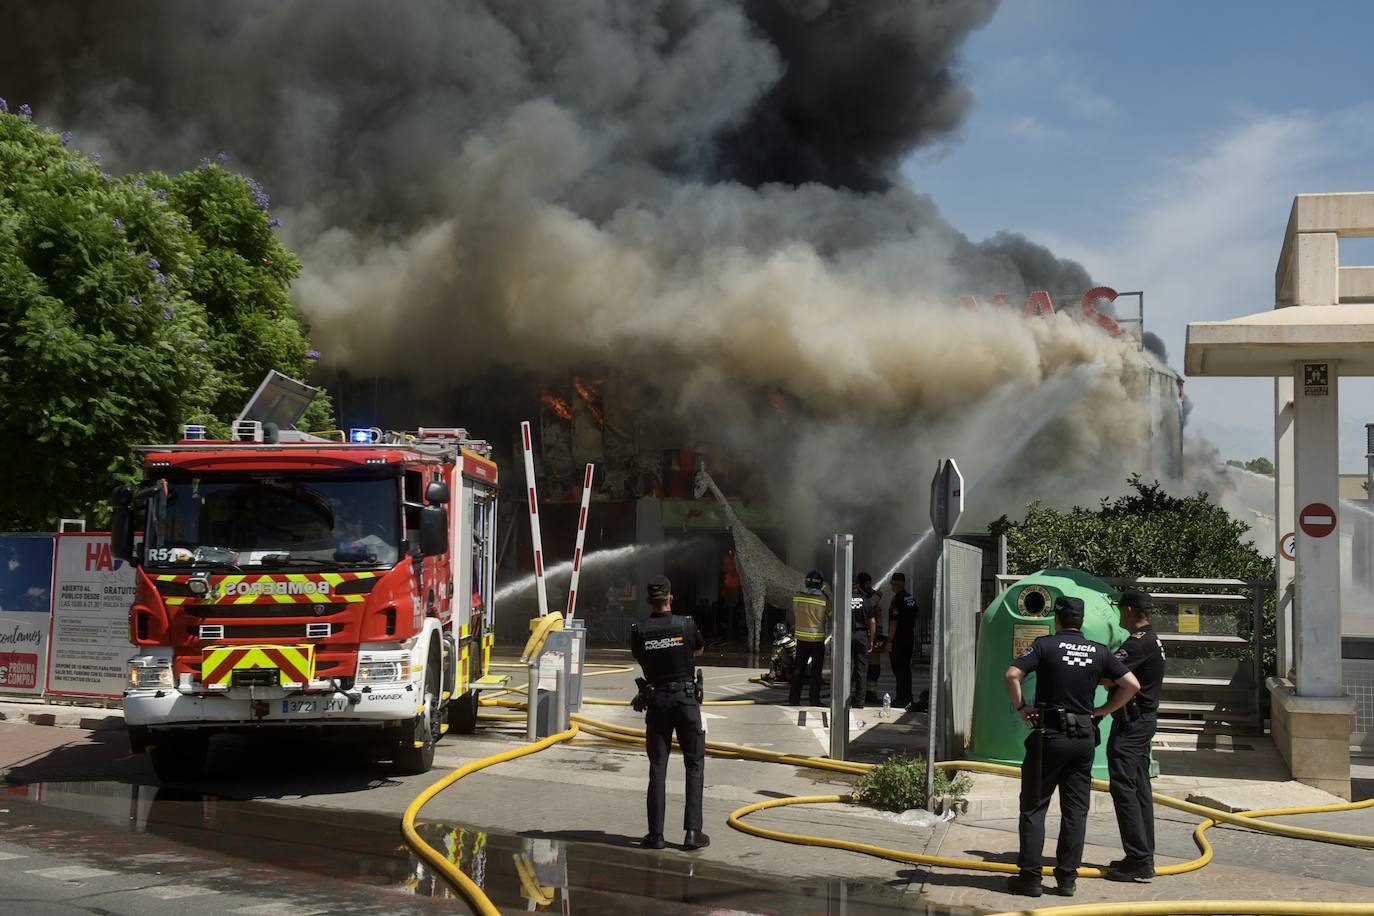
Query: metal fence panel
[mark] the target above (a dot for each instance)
(1213, 635)
(961, 587)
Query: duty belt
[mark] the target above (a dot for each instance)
(1062, 722)
(675, 686)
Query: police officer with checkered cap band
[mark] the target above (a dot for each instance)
(1059, 752)
(665, 646)
(1128, 748)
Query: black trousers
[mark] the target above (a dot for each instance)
(669, 714)
(901, 669)
(1055, 761)
(1128, 762)
(858, 668)
(875, 673)
(812, 653)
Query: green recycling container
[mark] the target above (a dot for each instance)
(1021, 613)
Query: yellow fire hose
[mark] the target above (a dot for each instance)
(464, 885)
(1202, 908)
(1211, 817)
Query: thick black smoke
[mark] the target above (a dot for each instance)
(701, 197)
(865, 83)
(702, 191)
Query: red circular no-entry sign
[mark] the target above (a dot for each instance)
(1317, 520)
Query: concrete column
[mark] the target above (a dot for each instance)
(1283, 519)
(1316, 268)
(1317, 579)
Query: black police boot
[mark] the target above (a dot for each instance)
(1025, 885)
(1130, 871)
(1065, 887)
(653, 841)
(695, 839)
(923, 704)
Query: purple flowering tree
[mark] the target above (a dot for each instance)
(129, 305)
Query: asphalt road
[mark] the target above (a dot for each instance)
(301, 828)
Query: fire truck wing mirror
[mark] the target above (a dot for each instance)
(122, 523)
(436, 492)
(433, 531)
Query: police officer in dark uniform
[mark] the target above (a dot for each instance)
(1128, 749)
(665, 645)
(1059, 752)
(901, 628)
(863, 638)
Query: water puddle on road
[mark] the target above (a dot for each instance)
(255, 843)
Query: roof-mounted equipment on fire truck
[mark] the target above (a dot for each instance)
(247, 431)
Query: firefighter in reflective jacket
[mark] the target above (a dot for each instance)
(810, 623)
(665, 645)
(1059, 753)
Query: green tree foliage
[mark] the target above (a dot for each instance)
(1260, 465)
(1146, 532)
(128, 306)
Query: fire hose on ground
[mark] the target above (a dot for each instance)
(1252, 820)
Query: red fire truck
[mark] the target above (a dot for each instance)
(285, 581)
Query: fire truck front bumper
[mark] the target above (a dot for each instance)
(271, 706)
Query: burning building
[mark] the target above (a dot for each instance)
(662, 226)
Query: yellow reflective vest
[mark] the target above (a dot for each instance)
(810, 616)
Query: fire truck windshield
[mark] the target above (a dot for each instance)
(275, 521)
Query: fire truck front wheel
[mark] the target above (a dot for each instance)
(179, 758)
(415, 751)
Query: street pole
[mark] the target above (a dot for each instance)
(840, 590)
(1367, 523)
(937, 633)
(946, 507)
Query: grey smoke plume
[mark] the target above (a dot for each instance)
(702, 192)
(1155, 344)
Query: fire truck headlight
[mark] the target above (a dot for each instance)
(375, 672)
(199, 583)
(150, 672)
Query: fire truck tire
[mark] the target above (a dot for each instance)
(415, 751)
(462, 713)
(179, 758)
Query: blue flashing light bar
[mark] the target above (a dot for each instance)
(362, 435)
(193, 431)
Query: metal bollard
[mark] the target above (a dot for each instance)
(560, 706)
(532, 702)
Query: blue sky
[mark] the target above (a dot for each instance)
(1161, 145)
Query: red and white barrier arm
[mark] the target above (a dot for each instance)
(581, 539)
(533, 500)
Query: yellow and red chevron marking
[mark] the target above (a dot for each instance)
(296, 663)
(276, 588)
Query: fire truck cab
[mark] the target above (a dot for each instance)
(286, 581)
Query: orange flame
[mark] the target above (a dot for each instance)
(556, 404)
(589, 397)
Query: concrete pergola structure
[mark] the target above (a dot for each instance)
(1317, 331)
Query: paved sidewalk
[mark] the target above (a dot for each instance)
(593, 793)
(67, 715)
